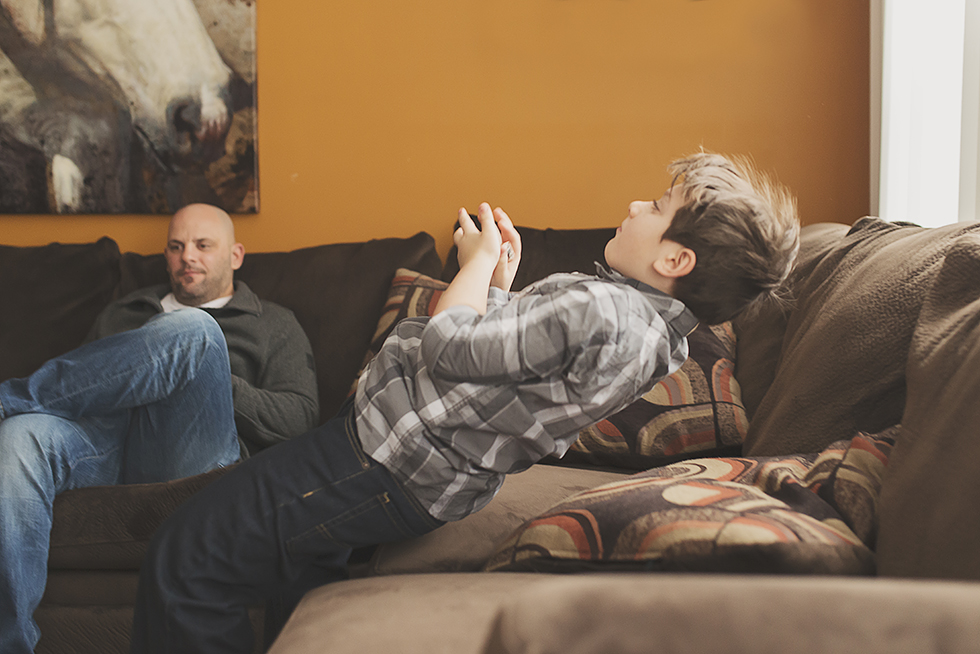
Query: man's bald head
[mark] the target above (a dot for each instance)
(202, 254)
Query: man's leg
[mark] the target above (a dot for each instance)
(172, 374)
(150, 404)
(40, 456)
(251, 535)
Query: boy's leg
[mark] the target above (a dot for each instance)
(251, 534)
(41, 456)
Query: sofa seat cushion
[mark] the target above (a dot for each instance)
(109, 527)
(466, 545)
(636, 614)
(842, 363)
(515, 613)
(49, 299)
(771, 514)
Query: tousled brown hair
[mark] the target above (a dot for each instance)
(743, 229)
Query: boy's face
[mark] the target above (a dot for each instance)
(639, 242)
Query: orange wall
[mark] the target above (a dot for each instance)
(381, 118)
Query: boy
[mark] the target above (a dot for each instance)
(490, 384)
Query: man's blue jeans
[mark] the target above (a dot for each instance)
(147, 405)
(279, 524)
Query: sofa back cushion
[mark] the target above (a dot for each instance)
(336, 291)
(759, 335)
(49, 299)
(843, 357)
(547, 251)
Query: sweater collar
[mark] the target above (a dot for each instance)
(244, 300)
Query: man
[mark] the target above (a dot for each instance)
(174, 381)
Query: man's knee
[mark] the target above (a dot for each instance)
(25, 445)
(187, 326)
(186, 320)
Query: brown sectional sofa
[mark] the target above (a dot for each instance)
(878, 352)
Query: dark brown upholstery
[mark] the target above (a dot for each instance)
(49, 297)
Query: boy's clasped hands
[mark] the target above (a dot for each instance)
(488, 255)
(496, 240)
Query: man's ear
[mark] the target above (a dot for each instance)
(677, 261)
(237, 256)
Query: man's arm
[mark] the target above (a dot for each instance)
(283, 402)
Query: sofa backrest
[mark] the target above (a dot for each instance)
(547, 251)
(835, 363)
(49, 298)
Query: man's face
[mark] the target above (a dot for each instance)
(201, 254)
(639, 241)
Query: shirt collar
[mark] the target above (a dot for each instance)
(675, 313)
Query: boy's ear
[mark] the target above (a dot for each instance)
(677, 261)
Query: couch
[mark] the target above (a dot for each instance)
(806, 482)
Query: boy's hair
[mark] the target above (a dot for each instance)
(743, 229)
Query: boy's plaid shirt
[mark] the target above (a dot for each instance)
(454, 402)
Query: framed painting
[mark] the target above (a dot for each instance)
(127, 106)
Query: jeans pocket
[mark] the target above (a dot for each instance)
(373, 521)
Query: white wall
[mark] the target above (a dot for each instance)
(925, 64)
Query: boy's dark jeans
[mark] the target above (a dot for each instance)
(277, 525)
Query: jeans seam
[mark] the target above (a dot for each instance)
(355, 442)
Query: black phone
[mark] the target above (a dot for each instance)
(476, 221)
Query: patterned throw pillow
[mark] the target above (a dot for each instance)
(412, 294)
(796, 514)
(696, 411)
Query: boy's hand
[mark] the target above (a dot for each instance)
(479, 253)
(477, 246)
(510, 252)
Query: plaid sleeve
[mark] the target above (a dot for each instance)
(531, 336)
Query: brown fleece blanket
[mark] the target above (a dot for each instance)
(929, 526)
(842, 361)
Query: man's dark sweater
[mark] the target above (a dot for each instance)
(272, 372)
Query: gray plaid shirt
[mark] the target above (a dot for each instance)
(453, 403)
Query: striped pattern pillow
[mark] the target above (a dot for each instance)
(796, 514)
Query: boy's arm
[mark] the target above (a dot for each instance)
(485, 258)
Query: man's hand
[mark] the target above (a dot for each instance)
(510, 252)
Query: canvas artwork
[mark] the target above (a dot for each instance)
(127, 106)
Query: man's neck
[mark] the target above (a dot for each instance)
(171, 303)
